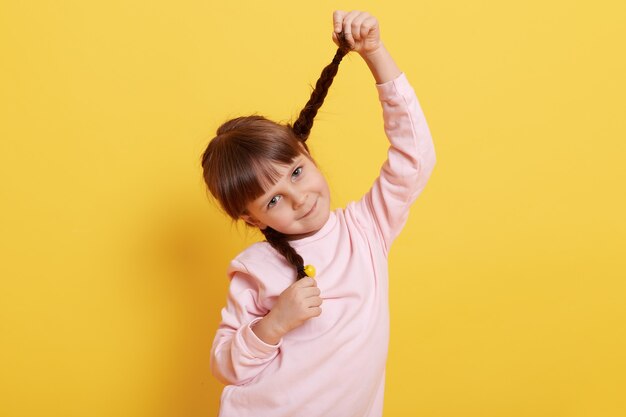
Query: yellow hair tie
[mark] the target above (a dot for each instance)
(309, 270)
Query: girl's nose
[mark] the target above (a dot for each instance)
(298, 200)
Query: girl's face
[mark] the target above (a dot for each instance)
(297, 205)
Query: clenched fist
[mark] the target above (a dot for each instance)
(361, 30)
(297, 304)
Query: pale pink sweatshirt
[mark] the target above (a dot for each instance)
(334, 364)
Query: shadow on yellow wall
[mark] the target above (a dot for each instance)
(188, 255)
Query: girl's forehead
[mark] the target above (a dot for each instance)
(274, 171)
(273, 168)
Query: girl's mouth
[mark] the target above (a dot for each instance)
(310, 211)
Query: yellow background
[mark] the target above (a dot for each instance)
(507, 285)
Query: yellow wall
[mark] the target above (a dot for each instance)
(507, 293)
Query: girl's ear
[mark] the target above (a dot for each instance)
(252, 221)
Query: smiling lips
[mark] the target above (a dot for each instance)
(311, 210)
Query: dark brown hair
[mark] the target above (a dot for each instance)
(238, 162)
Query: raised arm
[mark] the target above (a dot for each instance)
(411, 155)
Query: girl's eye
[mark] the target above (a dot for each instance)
(297, 172)
(273, 201)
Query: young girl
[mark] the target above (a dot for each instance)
(290, 344)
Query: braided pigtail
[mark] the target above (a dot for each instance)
(279, 242)
(302, 126)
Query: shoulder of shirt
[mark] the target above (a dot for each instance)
(256, 258)
(254, 253)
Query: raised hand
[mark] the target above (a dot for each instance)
(361, 30)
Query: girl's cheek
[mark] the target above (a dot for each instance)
(279, 217)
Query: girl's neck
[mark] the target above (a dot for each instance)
(301, 236)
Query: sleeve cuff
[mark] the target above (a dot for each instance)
(399, 86)
(257, 347)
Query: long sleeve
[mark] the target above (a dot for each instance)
(410, 162)
(237, 354)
